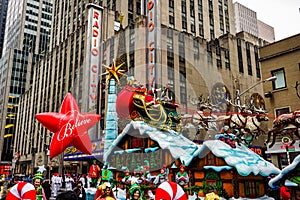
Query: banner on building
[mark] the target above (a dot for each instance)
(93, 58)
(152, 42)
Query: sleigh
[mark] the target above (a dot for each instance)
(135, 102)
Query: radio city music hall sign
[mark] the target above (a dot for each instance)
(151, 38)
(93, 52)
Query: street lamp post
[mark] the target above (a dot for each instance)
(239, 94)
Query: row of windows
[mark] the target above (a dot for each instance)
(31, 27)
(47, 9)
(47, 24)
(46, 16)
(33, 6)
(248, 57)
(48, 3)
(31, 20)
(200, 17)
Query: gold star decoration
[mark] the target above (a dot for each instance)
(114, 71)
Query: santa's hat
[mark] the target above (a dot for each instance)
(22, 190)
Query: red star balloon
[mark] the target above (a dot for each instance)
(69, 127)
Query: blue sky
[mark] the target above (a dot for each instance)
(283, 15)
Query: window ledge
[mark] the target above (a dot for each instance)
(280, 90)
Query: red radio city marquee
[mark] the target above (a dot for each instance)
(151, 23)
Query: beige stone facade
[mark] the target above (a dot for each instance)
(282, 59)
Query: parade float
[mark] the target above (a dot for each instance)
(213, 167)
(288, 178)
(222, 165)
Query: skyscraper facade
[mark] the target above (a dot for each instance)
(189, 45)
(27, 37)
(246, 20)
(265, 31)
(3, 12)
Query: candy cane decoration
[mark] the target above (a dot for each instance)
(22, 190)
(170, 191)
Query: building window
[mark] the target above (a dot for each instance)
(138, 7)
(201, 29)
(211, 159)
(171, 3)
(227, 59)
(171, 20)
(248, 59)
(130, 6)
(193, 28)
(240, 56)
(184, 24)
(280, 111)
(258, 75)
(171, 93)
(280, 82)
(282, 160)
(251, 188)
(212, 182)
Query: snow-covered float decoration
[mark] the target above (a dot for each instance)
(213, 167)
(289, 177)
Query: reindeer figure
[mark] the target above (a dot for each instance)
(202, 119)
(246, 122)
(285, 124)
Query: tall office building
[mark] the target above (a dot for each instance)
(27, 37)
(189, 45)
(246, 20)
(265, 31)
(3, 12)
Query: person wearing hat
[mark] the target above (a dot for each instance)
(37, 183)
(127, 177)
(83, 180)
(104, 192)
(162, 176)
(69, 181)
(54, 184)
(94, 173)
(135, 192)
(137, 176)
(182, 177)
(147, 178)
